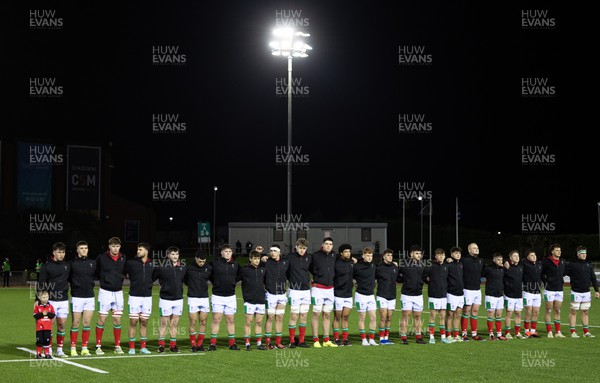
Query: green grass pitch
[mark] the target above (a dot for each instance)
(529, 360)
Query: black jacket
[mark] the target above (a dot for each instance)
(223, 276)
(582, 276)
(436, 277)
(276, 275)
(532, 276)
(364, 274)
(54, 277)
(322, 267)
(196, 278)
(472, 269)
(298, 274)
(513, 281)
(110, 272)
(455, 279)
(494, 281)
(82, 277)
(140, 277)
(343, 282)
(552, 275)
(170, 278)
(253, 283)
(410, 274)
(386, 275)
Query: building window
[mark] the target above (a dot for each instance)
(277, 235)
(132, 231)
(365, 234)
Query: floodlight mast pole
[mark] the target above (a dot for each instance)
(289, 144)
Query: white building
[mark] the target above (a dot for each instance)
(357, 234)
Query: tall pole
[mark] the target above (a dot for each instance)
(421, 214)
(215, 220)
(403, 226)
(430, 218)
(289, 164)
(599, 226)
(456, 217)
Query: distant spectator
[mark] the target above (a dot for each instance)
(249, 247)
(238, 247)
(38, 268)
(6, 272)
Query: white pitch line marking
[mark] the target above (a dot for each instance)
(67, 362)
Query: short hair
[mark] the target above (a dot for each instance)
(529, 251)
(114, 241)
(39, 293)
(327, 239)
(581, 249)
(172, 249)
(388, 251)
(302, 242)
(343, 247)
(455, 248)
(58, 246)
(275, 245)
(254, 254)
(497, 255)
(512, 252)
(415, 248)
(200, 254)
(367, 250)
(439, 250)
(554, 246)
(81, 243)
(225, 247)
(145, 245)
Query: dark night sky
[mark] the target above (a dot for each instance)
(348, 124)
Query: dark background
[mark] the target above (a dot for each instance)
(348, 124)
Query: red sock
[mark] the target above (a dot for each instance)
(85, 337)
(557, 326)
(172, 343)
(387, 333)
(363, 335)
(292, 334)
(38, 349)
(526, 326)
(302, 333)
(231, 341)
(463, 323)
(193, 340)
(315, 339)
(60, 340)
(474, 324)
(161, 342)
(586, 329)
(143, 343)
(200, 339)
(74, 335)
(132, 344)
(499, 326)
(371, 336)
(455, 333)
(259, 339)
(268, 339)
(548, 327)
(442, 331)
(572, 329)
(490, 325)
(213, 341)
(344, 335)
(46, 350)
(246, 340)
(381, 333)
(117, 335)
(336, 335)
(325, 339)
(533, 325)
(431, 330)
(418, 336)
(277, 340)
(517, 328)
